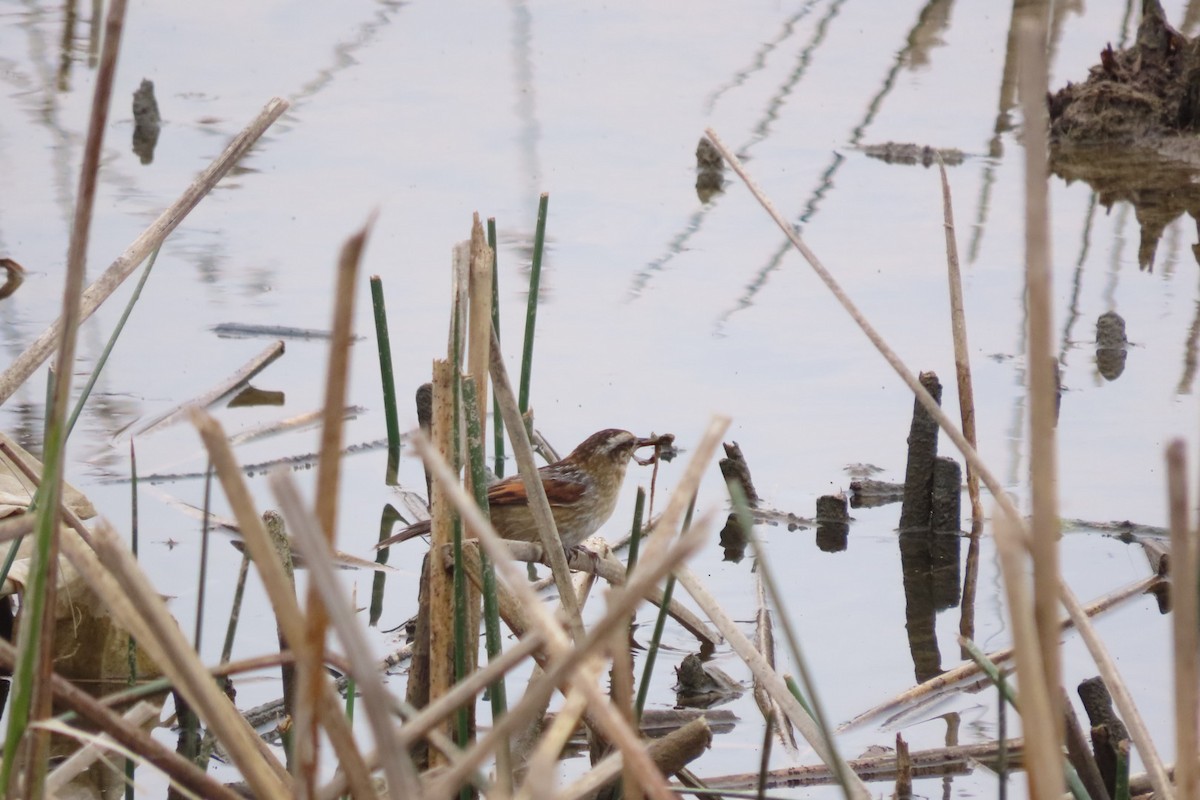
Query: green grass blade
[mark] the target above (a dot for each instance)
(390, 415)
(535, 279)
(497, 692)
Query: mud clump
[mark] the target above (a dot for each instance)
(1136, 95)
(1129, 130)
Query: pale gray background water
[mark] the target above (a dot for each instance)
(657, 311)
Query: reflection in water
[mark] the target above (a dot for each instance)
(1191, 347)
(146, 122)
(930, 23)
(761, 129)
(1111, 345)
(1073, 313)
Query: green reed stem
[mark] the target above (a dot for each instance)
(387, 520)
(202, 581)
(794, 688)
(497, 417)
(635, 533)
(384, 345)
(659, 624)
(497, 692)
(111, 343)
(1121, 789)
(535, 279)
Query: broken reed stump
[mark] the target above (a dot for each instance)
(917, 508)
(1108, 731)
(734, 469)
(833, 522)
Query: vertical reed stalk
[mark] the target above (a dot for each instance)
(1037, 721)
(131, 646)
(309, 670)
(497, 692)
(497, 419)
(441, 590)
(1043, 450)
(31, 697)
(202, 579)
(1185, 621)
(635, 533)
(387, 377)
(535, 279)
(962, 352)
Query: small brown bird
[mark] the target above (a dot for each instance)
(582, 489)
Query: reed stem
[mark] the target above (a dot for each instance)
(535, 279)
(387, 376)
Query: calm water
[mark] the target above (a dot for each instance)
(657, 310)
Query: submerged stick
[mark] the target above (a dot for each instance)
(25, 364)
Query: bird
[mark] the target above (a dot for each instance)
(582, 489)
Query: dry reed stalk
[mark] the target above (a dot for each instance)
(1043, 759)
(1185, 620)
(25, 364)
(1043, 441)
(44, 570)
(539, 506)
(253, 758)
(770, 680)
(228, 386)
(174, 766)
(564, 656)
(612, 571)
(469, 688)
(309, 671)
(764, 642)
(398, 767)
(279, 591)
(962, 352)
(623, 694)
(969, 669)
(87, 755)
(479, 323)
(441, 589)
(1121, 698)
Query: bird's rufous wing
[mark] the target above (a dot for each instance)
(511, 491)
